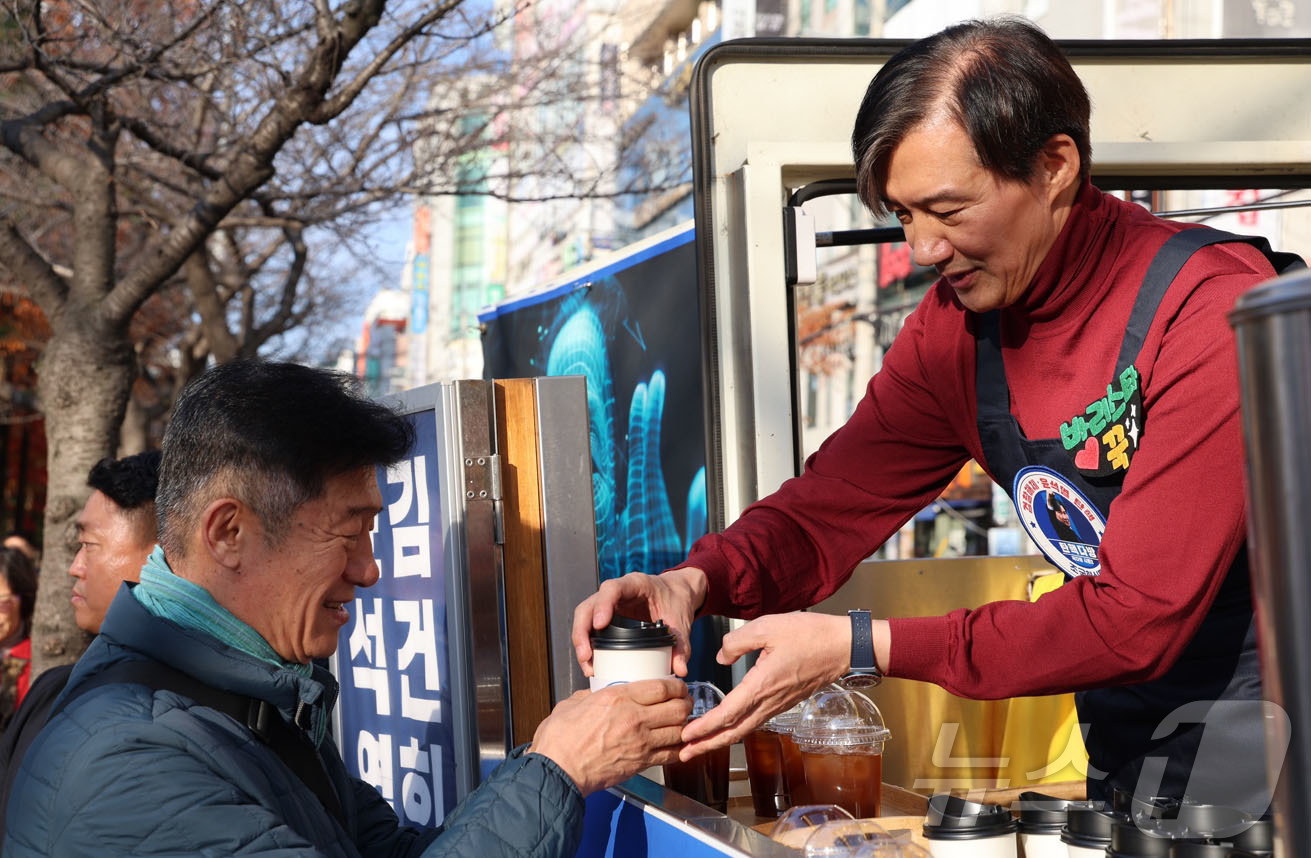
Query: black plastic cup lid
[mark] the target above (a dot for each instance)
(1138, 839)
(1209, 822)
(1039, 812)
(1197, 849)
(1089, 823)
(625, 633)
(1144, 807)
(951, 817)
(1258, 839)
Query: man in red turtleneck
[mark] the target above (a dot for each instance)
(1076, 346)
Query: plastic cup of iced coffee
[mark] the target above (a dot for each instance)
(703, 778)
(628, 650)
(794, 773)
(840, 735)
(764, 752)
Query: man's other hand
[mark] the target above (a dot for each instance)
(799, 652)
(604, 737)
(672, 596)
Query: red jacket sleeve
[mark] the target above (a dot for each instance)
(890, 460)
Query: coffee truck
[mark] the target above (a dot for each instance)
(489, 539)
(771, 125)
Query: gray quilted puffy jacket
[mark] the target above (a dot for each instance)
(126, 771)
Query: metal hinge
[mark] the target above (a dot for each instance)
(482, 477)
(482, 482)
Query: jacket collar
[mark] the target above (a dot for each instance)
(128, 625)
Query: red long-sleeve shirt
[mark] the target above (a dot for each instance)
(1172, 533)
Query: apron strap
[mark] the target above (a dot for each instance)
(1167, 263)
(992, 391)
(991, 388)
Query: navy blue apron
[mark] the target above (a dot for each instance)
(1130, 744)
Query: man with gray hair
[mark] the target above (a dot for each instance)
(197, 723)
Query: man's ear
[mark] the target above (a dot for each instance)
(228, 529)
(1059, 164)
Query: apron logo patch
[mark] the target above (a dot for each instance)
(1060, 520)
(1103, 439)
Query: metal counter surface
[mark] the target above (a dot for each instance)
(642, 818)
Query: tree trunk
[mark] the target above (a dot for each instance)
(85, 377)
(135, 435)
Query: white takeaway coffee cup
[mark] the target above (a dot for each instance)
(958, 828)
(628, 650)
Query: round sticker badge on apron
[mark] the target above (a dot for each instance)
(1060, 520)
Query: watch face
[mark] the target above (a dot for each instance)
(856, 681)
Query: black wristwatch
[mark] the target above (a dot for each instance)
(864, 667)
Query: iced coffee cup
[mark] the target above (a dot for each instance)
(628, 650)
(840, 735)
(705, 777)
(769, 795)
(774, 765)
(794, 772)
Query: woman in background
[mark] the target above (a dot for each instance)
(17, 599)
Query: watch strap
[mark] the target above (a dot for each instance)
(862, 643)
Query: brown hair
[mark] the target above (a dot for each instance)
(1006, 83)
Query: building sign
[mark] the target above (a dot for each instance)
(893, 263)
(1267, 19)
(739, 19)
(419, 304)
(395, 705)
(771, 17)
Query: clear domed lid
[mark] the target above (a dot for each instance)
(785, 721)
(840, 719)
(705, 696)
(892, 849)
(842, 837)
(797, 823)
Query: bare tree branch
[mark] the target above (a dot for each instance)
(194, 160)
(202, 287)
(251, 168)
(26, 265)
(279, 321)
(333, 107)
(22, 138)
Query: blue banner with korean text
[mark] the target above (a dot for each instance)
(395, 706)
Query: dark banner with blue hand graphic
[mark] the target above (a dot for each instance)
(395, 705)
(631, 329)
